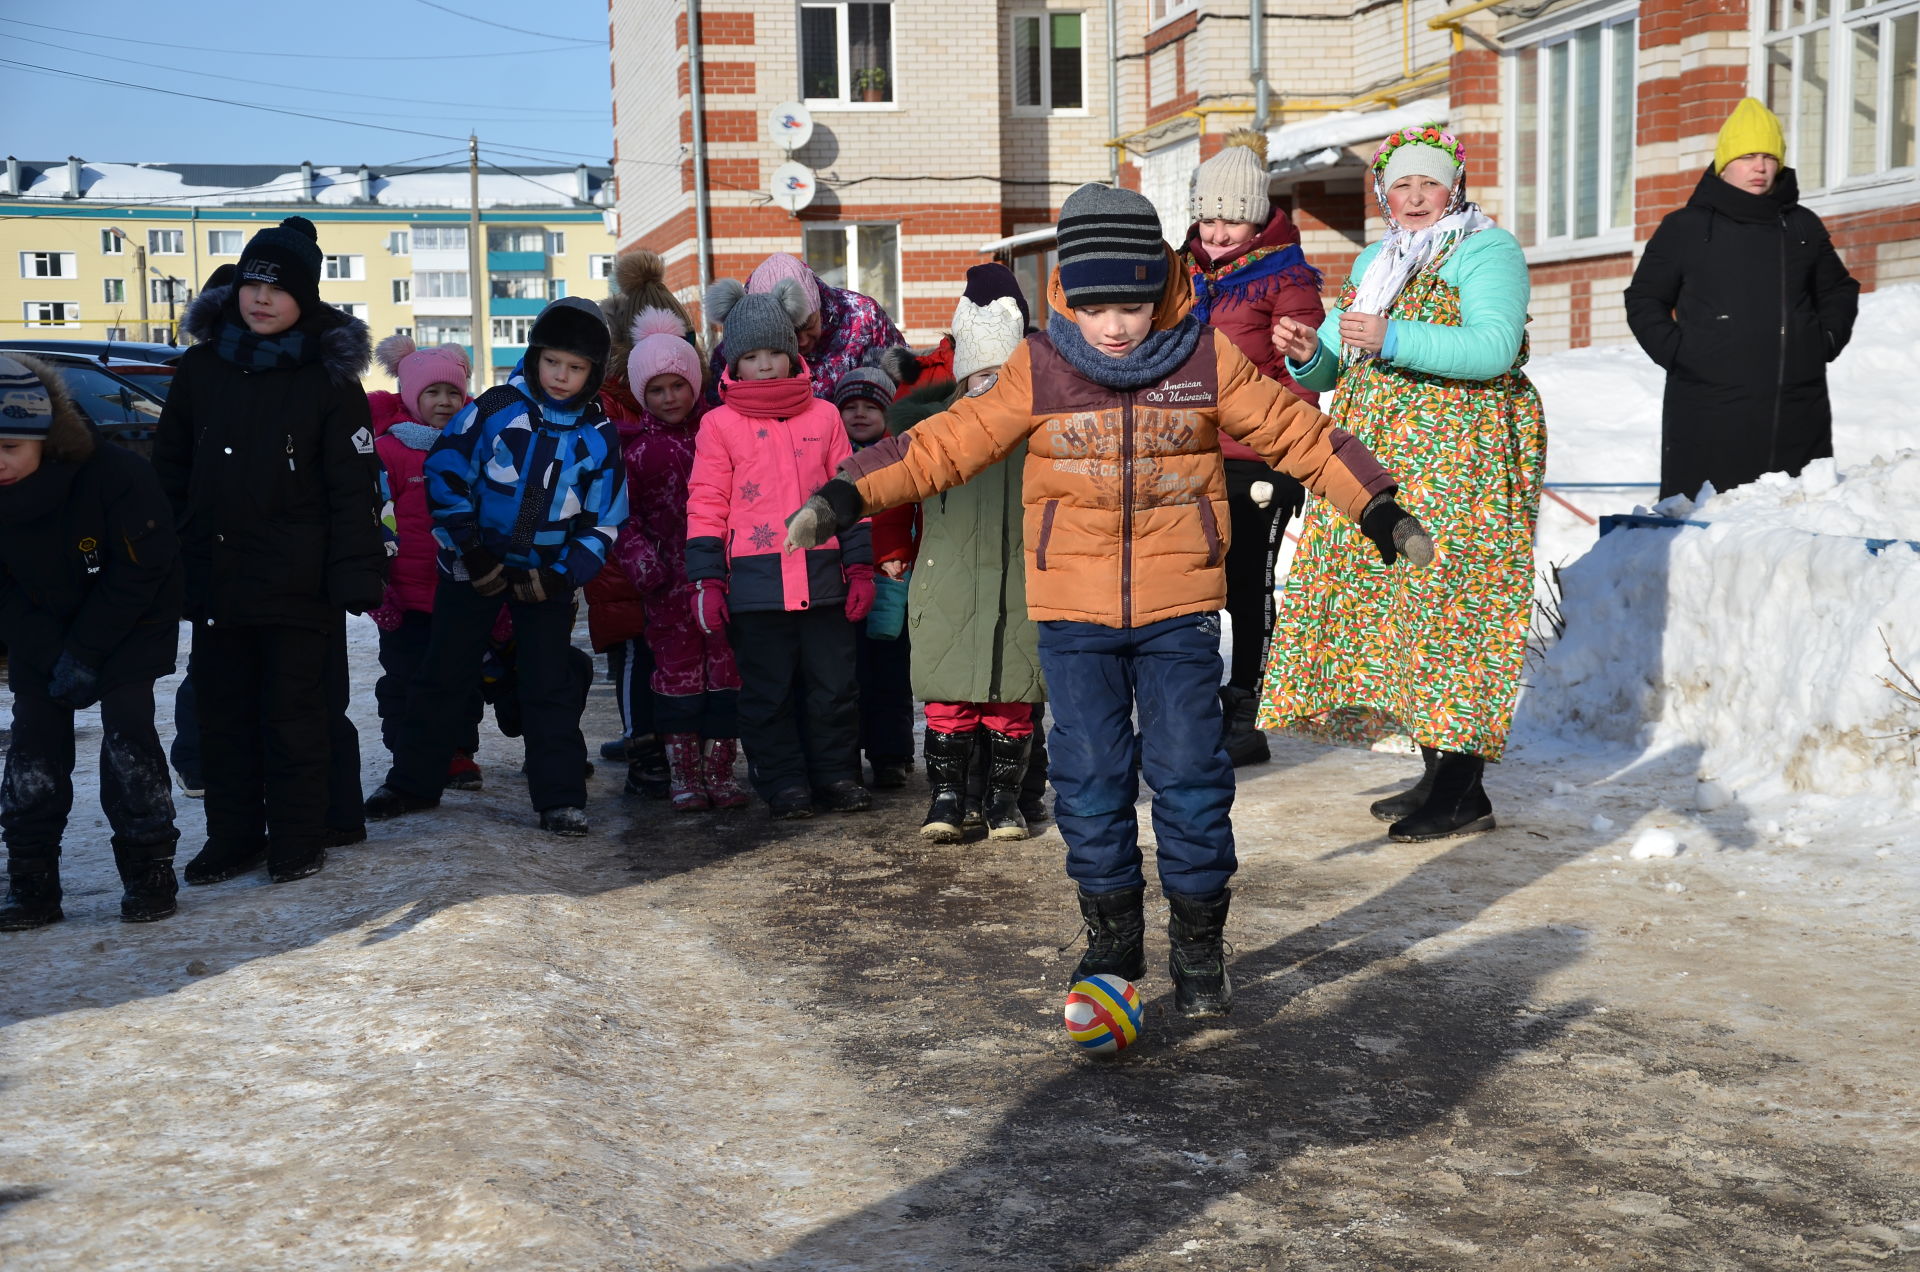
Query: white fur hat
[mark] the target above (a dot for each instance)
(986, 335)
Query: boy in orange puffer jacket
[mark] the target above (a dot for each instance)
(1122, 401)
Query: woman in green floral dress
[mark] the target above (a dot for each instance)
(1425, 348)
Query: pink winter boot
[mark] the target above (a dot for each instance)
(687, 788)
(721, 788)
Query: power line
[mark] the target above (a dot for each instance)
(226, 101)
(504, 27)
(293, 88)
(322, 57)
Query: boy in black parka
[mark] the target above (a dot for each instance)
(265, 448)
(89, 612)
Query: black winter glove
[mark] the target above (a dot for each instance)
(534, 586)
(484, 570)
(73, 684)
(362, 601)
(834, 507)
(1396, 532)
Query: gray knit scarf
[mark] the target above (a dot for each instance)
(1152, 360)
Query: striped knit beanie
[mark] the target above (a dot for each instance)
(869, 382)
(1111, 252)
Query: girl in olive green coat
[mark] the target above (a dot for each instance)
(976, 661)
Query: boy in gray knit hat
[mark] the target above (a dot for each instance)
(1121, 402)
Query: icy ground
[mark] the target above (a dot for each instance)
(1662, 1018)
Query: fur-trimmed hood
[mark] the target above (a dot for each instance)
(346, 345)
(70, 439)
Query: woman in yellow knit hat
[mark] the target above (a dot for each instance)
(1742, 299)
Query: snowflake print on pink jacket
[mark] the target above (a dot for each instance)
(758, 456)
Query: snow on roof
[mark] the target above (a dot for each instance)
(1290, 145)
(225, 184)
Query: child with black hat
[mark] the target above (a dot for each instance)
(266, 452)
(527, 488)
(89, 612)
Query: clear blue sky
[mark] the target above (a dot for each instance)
(355, 59)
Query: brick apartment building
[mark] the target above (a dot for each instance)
(939, 139)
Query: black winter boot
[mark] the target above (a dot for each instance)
(1244, 743)
(1116, 934)
(151, 890)
(947, 777)
(1409, 801)
(287, 862)
(890, 771)
(33, 894)
(223, 859)
(1006, 770)
(1033, 787)
(570, 823)
(1198, 957)
(1457, 805)
(647, 770)
(974, 799)
(386, 803)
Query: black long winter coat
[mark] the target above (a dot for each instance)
(89, 564)
(1743, 300)
(273, 478)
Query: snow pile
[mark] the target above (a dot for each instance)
(1753, 644)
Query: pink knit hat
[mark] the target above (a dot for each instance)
(418, 368)
(661, 347)
(779, 266)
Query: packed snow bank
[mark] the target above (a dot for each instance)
(1755, 640)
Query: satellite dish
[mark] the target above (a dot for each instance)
(793, 186)
(791, 126)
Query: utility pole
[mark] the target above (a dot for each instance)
(476, 272)
(140, 274)
(697, 109)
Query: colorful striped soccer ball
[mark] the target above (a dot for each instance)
(1103, 1014)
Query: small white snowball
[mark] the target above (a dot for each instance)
(1655, 842)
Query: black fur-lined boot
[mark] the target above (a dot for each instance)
(1456, 805)
(33, 894)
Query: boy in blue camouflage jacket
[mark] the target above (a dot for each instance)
(528, 490)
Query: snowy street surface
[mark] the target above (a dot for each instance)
(1664, 1018)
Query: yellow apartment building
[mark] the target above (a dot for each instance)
(96, 251)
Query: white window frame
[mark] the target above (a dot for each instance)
(1833, 190)
(117, 334)
(1539, 38)
(169, 290)
(436, 231)
(399, 243)
(403, 291)
(59, 265)
(855, 272)
(239, 236)
(157, 237)
(352, 308)
(510, 330)
(111, 244)
(1161, 12)
(113, 291)
(344, 268)
(425, 289)
(1046, 108)
(69, 315)
(425, 325)
(556, 242)
(600, 266)
(404, 331)
(848, 98)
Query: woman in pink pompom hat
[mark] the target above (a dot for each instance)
(841, 327)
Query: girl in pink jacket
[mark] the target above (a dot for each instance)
(789, 617)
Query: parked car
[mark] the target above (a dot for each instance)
(121, 399)
(124, 350)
